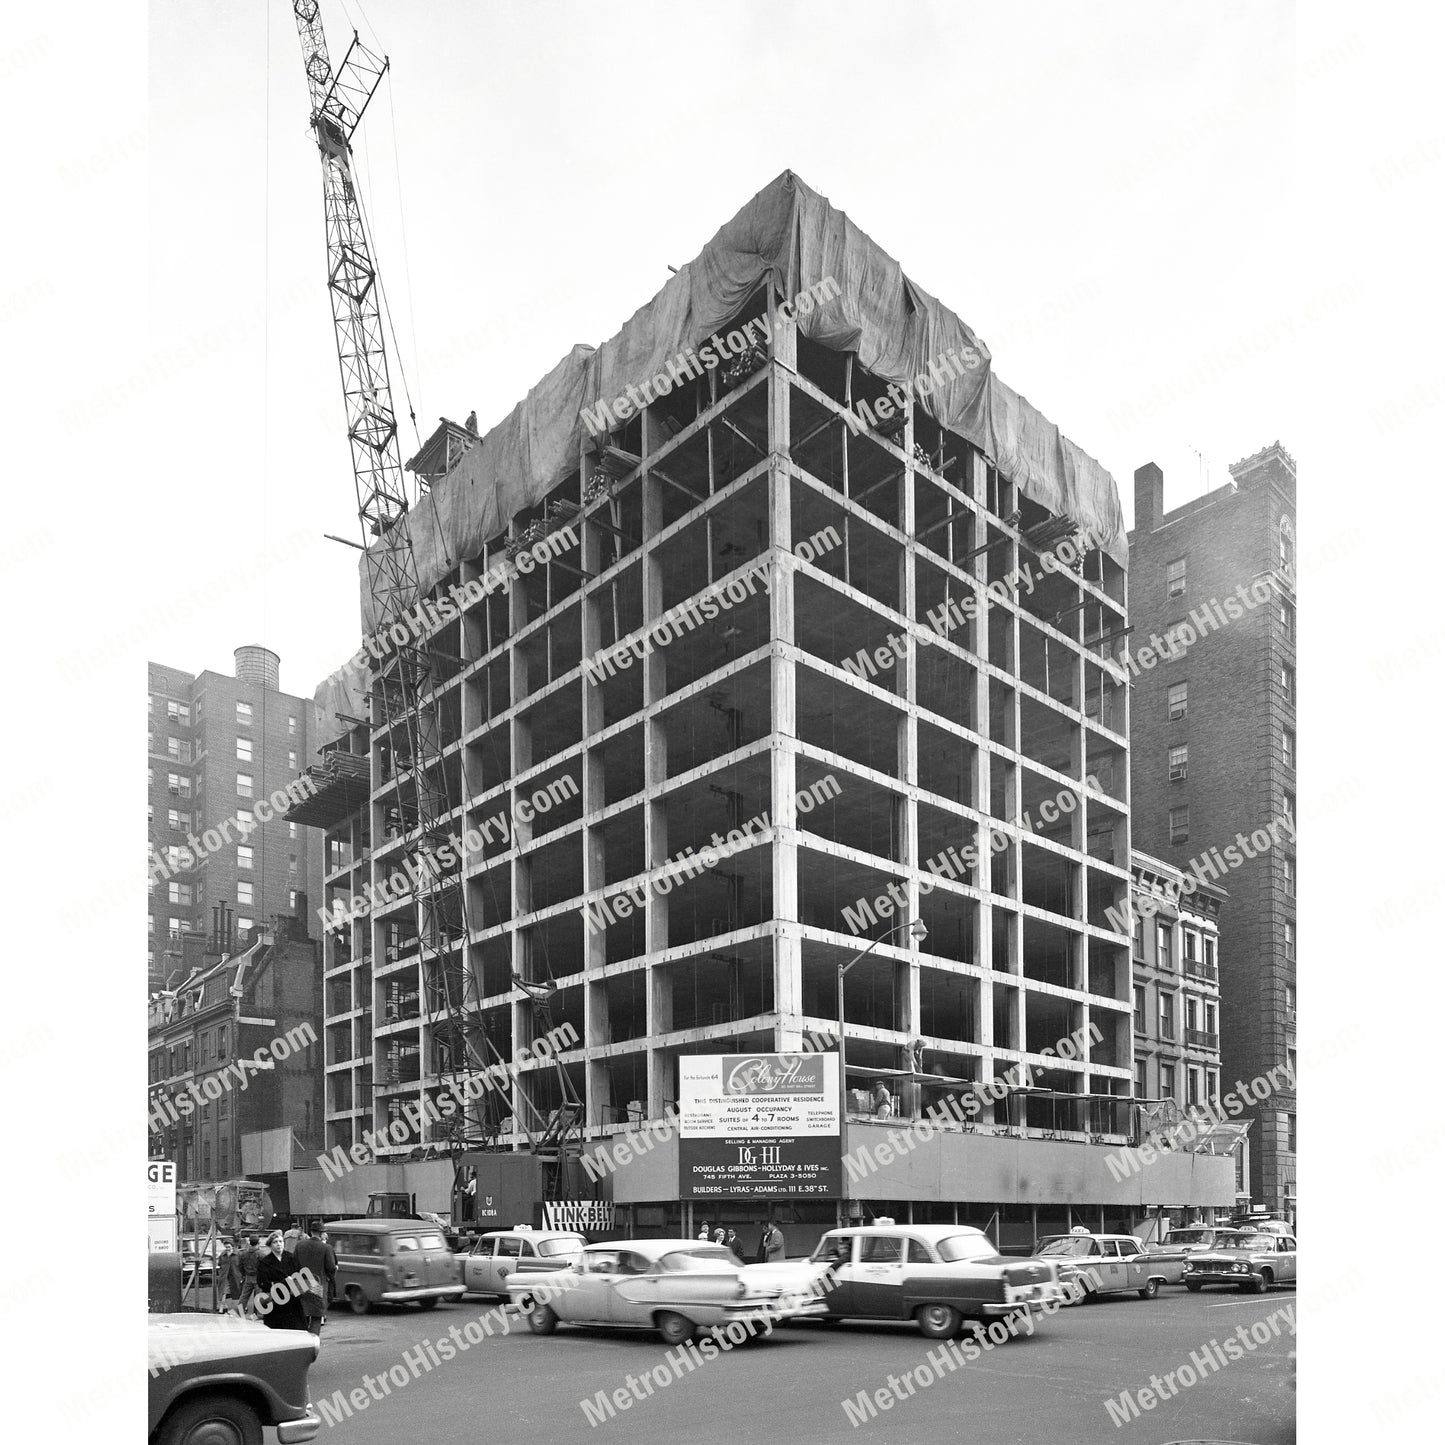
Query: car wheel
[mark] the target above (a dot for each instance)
(542, 1320)
(211, 1420)
(1262, 1284)
(430, 1303)
(1193, 1286)
(1149, 1290)
(674, 1328)
(938, 1322)
(356, 1298)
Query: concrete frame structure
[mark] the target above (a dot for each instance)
(1236, 778)
(838, 783)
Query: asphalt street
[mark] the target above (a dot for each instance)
(519, 1388)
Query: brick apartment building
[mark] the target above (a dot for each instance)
(217, 746)
(1005, 733)
(251, 1005)
(1214, 752)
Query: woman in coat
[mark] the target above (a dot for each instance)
(278, 1293)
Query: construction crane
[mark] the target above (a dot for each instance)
(408, 670)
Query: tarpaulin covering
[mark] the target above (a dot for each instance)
(789, 231)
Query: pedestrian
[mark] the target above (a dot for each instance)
(704, 1233)
(278, 1300)
(232, 1282)
(250, 1258)
(719, 1235)
(773, 1246)
(735, 1244)
(291, 1239)
(316, 1255)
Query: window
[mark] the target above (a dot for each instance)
(1141, 1079)
(1289, 807)
(243, 714)
(292, 864)
(220, 1043)
(291, 726)
(1191, 945)
(225, 1159)
(176, 926)
(178, 820)
(1178, 701)
(880, 1249)
(245, 821)
(1209, 947)
(1291, 1060)
(1211, 1019)
(245, 856)
(1286, 747)
(245, 925)
(1139, 1022)
(1286, 619)
(177, 750)
(291, 832)
(178, 893)
(178, 712)
(1289, 1000)
(1174, 577)
(1291, 1137)
(291, 761)
(1166, 1081)
(178, 784)
(245, 892)
(1179, 824)
(1163, 944)
(243, 750)
(1166, 1017)
(150, 812)
(1288, 939)
(291, 900)
(1138, 936)
(1286, 681)
(1212, 1085)
(1195, 1087)
(1177, 639)
(245, 786)
(173, 857)
(1178, 764)
(206, 1158)
(1286, 544)
(150, 702)
(1191, 1013)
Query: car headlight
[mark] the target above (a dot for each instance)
(741, 1289)
(1188, 1268)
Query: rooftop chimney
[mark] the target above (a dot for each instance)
(1148, 497)
(259, 664)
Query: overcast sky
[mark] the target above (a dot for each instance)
(1102, 192)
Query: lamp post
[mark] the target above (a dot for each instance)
(918, 930)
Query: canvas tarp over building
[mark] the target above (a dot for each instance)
(789, 232)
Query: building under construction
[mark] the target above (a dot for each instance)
(762, 633)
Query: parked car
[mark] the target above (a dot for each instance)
(937, 1274)
(675, 1286)
(1248, 1262)
(393, 1261)
(1104, 1263)
(523, 1250)
(219, 1380)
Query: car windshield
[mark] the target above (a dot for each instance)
(964, 1246)
(1250, 1241)
(1190, 1236)
(404, 1243)
(553, 1248)
(833, 1247)
(433, 1241)
(1068, 1247)
(703, 1260)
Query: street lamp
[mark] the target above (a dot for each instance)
(917, 929)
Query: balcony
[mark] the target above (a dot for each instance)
(1197, 968)
(1201, 1039)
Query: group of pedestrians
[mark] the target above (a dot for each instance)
(770, 1242)
(259, 1281)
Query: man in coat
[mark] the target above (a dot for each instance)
(773, 1247)
(250, 1258)
(316, 1255)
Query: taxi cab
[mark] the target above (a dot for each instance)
(501, 1253)
(1104, 1263)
